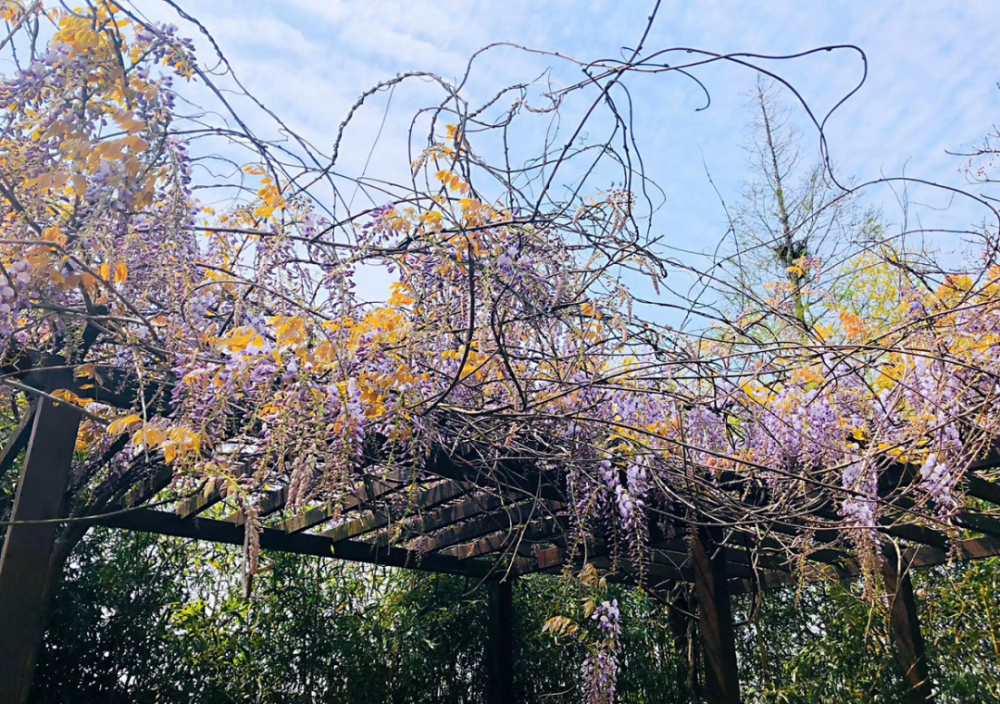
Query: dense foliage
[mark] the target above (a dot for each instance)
(151, 619)
(144, 619)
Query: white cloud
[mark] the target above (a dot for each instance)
(933, 69)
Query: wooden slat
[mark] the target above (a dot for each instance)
(916, 534)
(655, 572)
(445, 516)
(915, 557)
(983, 489)
(149, 487)
(670, 554)
(548, 558)
(553, 559)
(738, 563)
(366, 492)
(979, 522)
(906, 531)
(556, 557)
(423, 501)
(542, 529)
(209, 495)
(735, 555)
(989, 461)
(973, 549)
(504, 519)
(520, 480)
(274, 500)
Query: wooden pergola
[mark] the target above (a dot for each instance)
(457, 515)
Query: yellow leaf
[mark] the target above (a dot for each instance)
(150, 437)
(136, 144)
(53, 234)
(69, 397)
(85, 371)
(79, 185)
(398, 298)
(852, 324)
(119, 426)
(121, 274)
(169, 451)
(241, 338)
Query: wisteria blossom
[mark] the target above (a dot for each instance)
(512, 329)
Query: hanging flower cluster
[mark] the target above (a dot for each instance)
(600, 669)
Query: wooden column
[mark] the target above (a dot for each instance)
(500, 655)
(24, 563)
(682, 629)
(907, 639)
(715, 618)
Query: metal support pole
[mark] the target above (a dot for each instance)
(500, 656)
(905, 628)
(24, 563)
(715, 618)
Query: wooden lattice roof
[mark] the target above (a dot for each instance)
(458, 516)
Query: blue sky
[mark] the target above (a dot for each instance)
(933, 70)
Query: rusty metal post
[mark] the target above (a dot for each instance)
(24, 563)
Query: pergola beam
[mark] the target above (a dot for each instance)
(715, 617)
(167, 523)
(905, 628)
(27, 549)
(500, 650)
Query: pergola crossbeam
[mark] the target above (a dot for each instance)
(167, 523)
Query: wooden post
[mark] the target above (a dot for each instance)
(24, 563)
(715, 618)
(905, 628)
(682, 628)
(500, 655)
